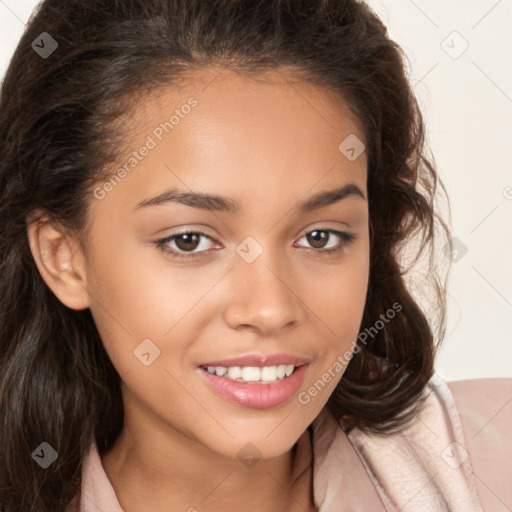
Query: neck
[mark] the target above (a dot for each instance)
(187, 476)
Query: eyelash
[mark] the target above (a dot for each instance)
(346, 240)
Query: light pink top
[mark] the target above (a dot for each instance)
(455, 456)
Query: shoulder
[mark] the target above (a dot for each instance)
(485, 410)
(483, 403)
(483, 396)
(454, 454)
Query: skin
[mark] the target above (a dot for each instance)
(268, 146)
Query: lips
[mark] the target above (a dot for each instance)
(254, 395)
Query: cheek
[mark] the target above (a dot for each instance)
(340, 301)
(132, 286)
(338, 296)
(138, 295)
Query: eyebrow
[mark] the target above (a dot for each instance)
(223, 204)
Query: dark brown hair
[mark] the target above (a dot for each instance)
(58, 130)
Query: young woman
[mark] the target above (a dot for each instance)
(206, 207)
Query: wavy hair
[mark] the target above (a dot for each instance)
(59, 128)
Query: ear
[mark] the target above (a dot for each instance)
(60, 261)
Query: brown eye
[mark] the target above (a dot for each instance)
(187, 241)
(324, 240)
(182, 243)
(317, 238)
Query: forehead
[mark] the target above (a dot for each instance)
(273, 99)
(270, 130)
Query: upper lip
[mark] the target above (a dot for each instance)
(260, 360)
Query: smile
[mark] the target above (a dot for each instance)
(255, 387)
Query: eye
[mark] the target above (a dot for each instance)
(318, 238)
(183, 242)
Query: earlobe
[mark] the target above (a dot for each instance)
(60, 262)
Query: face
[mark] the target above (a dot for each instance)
(267, 276)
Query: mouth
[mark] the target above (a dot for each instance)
(257, 387)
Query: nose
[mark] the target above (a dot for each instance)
(264, 297)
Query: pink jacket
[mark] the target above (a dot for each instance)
(456, 456)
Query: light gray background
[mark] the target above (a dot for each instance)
(466, 97)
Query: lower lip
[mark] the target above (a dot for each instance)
(258, 396)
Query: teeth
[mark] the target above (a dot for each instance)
(269, 373)
(266, 374)
(220, 371)
(234, 372)
(251, 374)
(281, 371)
